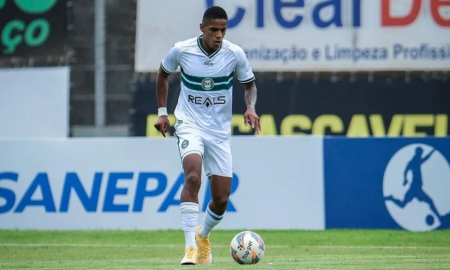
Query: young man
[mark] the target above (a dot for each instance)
(203, 122)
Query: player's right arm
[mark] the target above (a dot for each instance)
(405, 174)
(169, 65)
(162, 90)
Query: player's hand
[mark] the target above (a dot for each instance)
(250, 117)
(162, 124)
(405, 181)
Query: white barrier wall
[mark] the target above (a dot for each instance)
(314, 35)
(34, 102)
(135, 183)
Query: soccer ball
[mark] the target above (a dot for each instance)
(247, 248)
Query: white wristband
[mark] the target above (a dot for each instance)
(162, 111)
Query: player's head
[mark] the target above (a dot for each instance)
(419, 151)
(214, 27)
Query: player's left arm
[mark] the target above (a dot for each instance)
(247, 78)
(428, 156)
(250, 116)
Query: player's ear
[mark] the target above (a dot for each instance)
(202, 27)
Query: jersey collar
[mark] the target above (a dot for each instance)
(210, 55)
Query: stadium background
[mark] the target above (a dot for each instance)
(112, 100)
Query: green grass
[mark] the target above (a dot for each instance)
(331, 249)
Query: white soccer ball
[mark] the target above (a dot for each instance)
(247, 247)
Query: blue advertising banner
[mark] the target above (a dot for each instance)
(387, 183)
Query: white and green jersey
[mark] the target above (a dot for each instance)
(207, 84)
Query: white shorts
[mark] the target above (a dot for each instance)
(216, 154)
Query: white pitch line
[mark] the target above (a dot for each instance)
(219, 246)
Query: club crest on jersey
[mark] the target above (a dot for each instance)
(185, 144)
(208, 83)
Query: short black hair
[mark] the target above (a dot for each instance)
(215, 12)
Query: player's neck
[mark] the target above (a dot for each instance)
(205, 46)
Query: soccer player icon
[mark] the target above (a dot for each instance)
(415, 189)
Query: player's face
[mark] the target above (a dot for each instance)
(213, 33)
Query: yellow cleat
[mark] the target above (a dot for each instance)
(204, 248)
(190, 256)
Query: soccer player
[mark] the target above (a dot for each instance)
(415, 190)
(203, 122)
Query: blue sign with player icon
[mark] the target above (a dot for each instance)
(387, 183)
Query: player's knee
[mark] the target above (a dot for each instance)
(192, 182)
(221, 201)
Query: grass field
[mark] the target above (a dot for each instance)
(331, 249)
